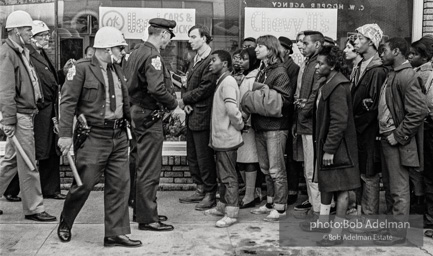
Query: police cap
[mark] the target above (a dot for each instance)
(163, 23)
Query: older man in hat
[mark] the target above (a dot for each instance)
(151, 92)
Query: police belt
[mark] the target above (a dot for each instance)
(111, 124)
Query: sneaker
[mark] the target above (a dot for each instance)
(214, 212)
(274, 216)
(305, 206)
(225, 222)
(264, 209)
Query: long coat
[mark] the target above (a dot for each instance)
(367, 86)
(45, 139)
(335, 133)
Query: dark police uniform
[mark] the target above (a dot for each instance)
(150, 88)
(105, 151)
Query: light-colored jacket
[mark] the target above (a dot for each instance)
(226, 119)
(262, 101)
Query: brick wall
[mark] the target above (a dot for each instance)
(175, 174)
(427, 27)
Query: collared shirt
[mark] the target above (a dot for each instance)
(200, 56)
(386, 123)
(117, 91)
(25, 53)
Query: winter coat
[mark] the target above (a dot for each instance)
(335, 133)
(407, 105)
(368, 86)
(16, 88)
(275, 76)
(45, 139)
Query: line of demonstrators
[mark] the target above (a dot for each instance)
(344, 116)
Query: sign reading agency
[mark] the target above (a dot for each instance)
(133, 22)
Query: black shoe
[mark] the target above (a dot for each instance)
(121, 241)
(64, 231)
(304, 206)
(160, 218)
(243, 205)
(291, 199)
(58, 196)
(1, 212)
(12, 198)
(208, 202)
(328, 242)
(194, 198)
(155, 226)
(43, 216)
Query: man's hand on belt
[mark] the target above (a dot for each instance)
(64, 144)
(9, 130)
(391, 139)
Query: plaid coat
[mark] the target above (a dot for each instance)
(201, 85)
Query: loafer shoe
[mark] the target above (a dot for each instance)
(64, 231)
(247, 205)
(192, 199)
(121, 241)
(12, 198)
(43, 216)
(155, 226)
(304, 206)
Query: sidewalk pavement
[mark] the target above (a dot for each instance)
(194, 234)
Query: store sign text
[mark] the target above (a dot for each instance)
(318, 5)
(288, 22)
(133, 22)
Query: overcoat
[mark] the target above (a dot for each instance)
(335, 133)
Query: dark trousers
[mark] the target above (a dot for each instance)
(104, 152)
(49, 171)
(227, 177)
(148, 168)
(14, 187)
(428, 175)
(293, 168)
(132, 165)
(201, 159)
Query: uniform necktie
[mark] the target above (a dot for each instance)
(111, 88)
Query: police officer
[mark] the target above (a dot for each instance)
(95, 91)
(150, 89)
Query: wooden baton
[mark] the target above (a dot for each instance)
(23, 153)
(74, 170)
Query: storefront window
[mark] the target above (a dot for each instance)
(228, 20)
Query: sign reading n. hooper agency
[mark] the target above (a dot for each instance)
(133, 22)
(288, 22)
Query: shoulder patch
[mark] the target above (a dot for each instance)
(156, 63)
(71, 73)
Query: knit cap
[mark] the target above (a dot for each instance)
(373, 32)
